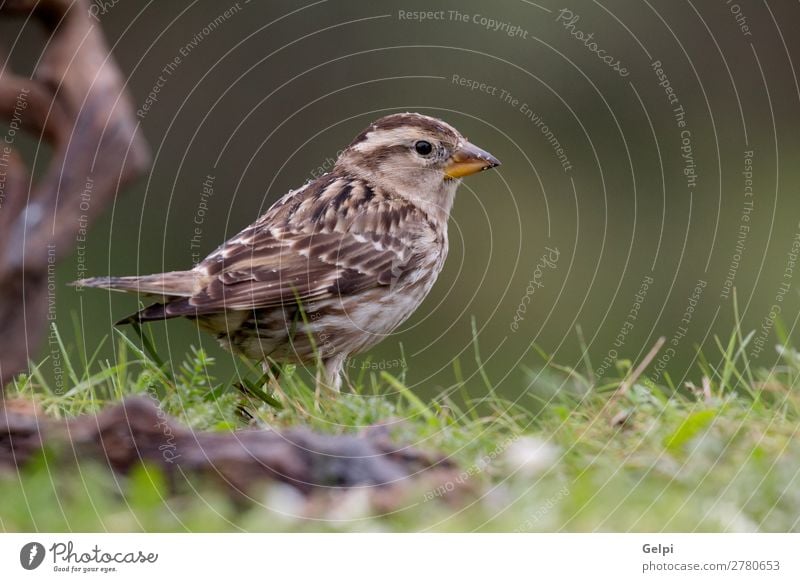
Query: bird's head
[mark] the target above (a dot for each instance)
(415, 156)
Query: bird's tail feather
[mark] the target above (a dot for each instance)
(155, 312)
(173, 284)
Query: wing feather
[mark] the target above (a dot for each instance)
(300, 251)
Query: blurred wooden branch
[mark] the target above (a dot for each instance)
(136, 431)
(76, 103)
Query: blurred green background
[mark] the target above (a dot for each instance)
(265, 93)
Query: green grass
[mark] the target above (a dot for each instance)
(572, 454)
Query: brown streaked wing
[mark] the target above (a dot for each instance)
(304, 266)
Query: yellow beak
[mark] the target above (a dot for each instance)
(469, 159)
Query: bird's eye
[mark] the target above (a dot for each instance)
(423, 148)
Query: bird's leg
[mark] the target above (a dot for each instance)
(270, 380)
(260, 389)
(329, 374)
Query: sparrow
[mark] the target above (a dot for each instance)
(334, 266)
